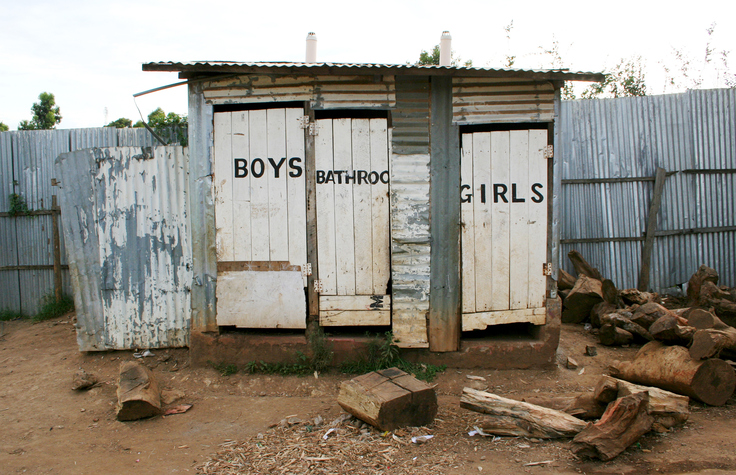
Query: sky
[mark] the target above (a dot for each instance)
(89, 53)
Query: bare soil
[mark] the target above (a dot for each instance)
(46, 427)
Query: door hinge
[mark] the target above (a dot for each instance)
(318, 286)
(547, 268)
(303, 121)
(313, 129)
(549, 151)
(307, 269)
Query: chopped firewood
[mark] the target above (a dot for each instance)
(667, 408)
(625, 420)
(583, 267)
(702, 275)
(620, 320)
(672, 368)
(565, 280)
(581, 299)
(515, 418)
(138, 393)
(598, 310)
(583, 406)
(709, 343)
(636, 297)
(611, 335)
(389, 399)
(668, 329)
(713, 297)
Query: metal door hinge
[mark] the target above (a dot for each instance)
(318, 286)
(547, 268)
(303, 121)
(313, 129)
(549, 151)
(307, 269)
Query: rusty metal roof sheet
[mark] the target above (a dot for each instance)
(191, 69)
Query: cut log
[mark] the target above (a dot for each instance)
(583, 267)
(618, 319)
(583, 406)
(713, 297)
(625, 420)
(709, 343)
(611, 335)
(710, 381)
(703, 319)
(581, 299)
(710, 291)
(649, 313)
(702, 275)
(606, 389)
(667, 408)
(515, 418)
(565, 280)
(636, 296)
(610, 292)
(138, 393)
(668, 330)
(598, 310)
(389, 399)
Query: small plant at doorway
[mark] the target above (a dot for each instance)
(321, 350)
(382, 353)
(51, 308)
(224, 369)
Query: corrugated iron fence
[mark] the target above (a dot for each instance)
(27, 240)
(609, 152)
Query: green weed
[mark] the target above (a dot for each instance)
(51, 308)
(224, 369)
(7, 315)
(321, 350)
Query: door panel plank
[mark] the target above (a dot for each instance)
(381, 232)
(483, 222)
(278, 219)
(519, 271)
(467, 228)
(500, 210)
(537, 218)
(223, 185)
(293, 171)
(344, 232)
(259, 186)
(362, 201)
(325, 210)
(241, 189)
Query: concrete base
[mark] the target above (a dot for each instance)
(528, 346)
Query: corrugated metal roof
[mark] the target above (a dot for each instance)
(197, 67)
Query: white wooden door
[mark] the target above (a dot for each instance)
(352, 180)
(504, 227)
(260, 218)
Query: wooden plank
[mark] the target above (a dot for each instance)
(260, 300)
(481, 320)
(57, 249)
(354, 318)
(467, 226)
(311, 204)
(278, 219)
(243, 248)
(355, 302)
(519, 230)
(537, 212)
(257, 266)
(362, 222)
(380, 216)
(646, 252)
(483, 224)
(296, 188)
(223, 171)
(501, 215)
(343, 211)
(325, 204)
(257, 163)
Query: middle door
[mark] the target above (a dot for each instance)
(352, 181)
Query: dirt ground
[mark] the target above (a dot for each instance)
(48, 428)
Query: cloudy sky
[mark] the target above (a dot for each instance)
(89, 53)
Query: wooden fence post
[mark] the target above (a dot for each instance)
(55, 211)
(646, 252)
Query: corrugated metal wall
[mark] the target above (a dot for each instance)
(492, 100)
(126, 221)
(26, 168)
(693, 137)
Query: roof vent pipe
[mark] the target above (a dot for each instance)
(445, 49)
(311, 48)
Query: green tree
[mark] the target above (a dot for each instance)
(625, 79)
(433, 58)
(46, 114)
(171, 127)
(3, 127)
(121, 123)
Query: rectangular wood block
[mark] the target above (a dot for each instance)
(389, 399)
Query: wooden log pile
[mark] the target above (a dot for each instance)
(622, 413)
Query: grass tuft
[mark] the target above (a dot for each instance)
(7, 315)
(50, 308)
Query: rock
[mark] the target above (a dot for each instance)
(83, 380)
(171, 396)
(591, 351)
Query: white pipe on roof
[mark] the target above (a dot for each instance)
(311, 48)
(445, 49)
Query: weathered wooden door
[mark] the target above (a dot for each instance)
(260, 218)
(352, 180)
(504, 227)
